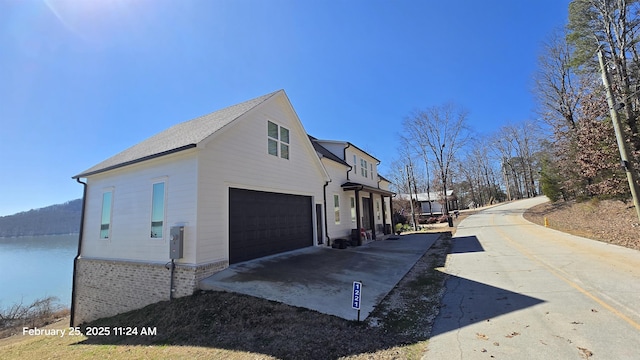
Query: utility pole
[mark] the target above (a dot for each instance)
(413, 214)
(622, 144)
(506, 177)
(426, 166)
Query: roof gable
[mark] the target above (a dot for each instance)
(324, 152)
(344, 144)
(178, 137)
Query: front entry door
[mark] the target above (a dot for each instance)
(366, 213)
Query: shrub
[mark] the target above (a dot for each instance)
(443, 219)
(38, 313)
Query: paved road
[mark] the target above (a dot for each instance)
(522, 291)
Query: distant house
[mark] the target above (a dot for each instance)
(431, 203)
(240, 183)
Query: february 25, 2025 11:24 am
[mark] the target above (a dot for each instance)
(93, 331)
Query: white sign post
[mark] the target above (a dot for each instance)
(356, 296)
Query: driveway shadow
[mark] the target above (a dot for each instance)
(467, 302)
(466, 244)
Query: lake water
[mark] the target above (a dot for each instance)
(36, 267)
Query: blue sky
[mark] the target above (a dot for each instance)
(82, 81)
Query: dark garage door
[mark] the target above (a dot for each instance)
(264, 223)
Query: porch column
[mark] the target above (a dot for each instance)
(384, 216)
(358, 220)
(393, 224)
(372, 216)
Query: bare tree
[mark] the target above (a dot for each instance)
(516, 146)
(555, 84)
(440, 131)
(610, 25)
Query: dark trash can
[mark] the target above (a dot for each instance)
(356, 240)
(339, 243)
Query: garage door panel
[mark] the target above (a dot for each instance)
(264, 223)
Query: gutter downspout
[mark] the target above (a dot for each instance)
(75, 260)
(344, 156)
(326, 225)
(384, 215)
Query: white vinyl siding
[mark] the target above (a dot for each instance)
(240, 151)
(130, 227)
(105, 221)
(197, 189)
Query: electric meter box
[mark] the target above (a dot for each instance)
(176, 242)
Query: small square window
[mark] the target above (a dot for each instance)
(277, 135)
(273, 130)
(284, 135)
(273, 147)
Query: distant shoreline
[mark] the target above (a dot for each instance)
(39, 235)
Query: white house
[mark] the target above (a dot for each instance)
(237, 184)
(430, 203)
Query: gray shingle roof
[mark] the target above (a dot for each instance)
(178, 137)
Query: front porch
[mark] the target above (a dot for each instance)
(372, 218)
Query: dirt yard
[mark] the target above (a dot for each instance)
(609, 221)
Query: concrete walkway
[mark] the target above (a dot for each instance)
(321, 278)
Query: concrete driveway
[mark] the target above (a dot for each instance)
(321, 278)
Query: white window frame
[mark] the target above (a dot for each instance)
(281, 145)
(364, 171)
(110, 224)
(336, 208)
(163, 181)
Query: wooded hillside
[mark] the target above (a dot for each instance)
(50, 220)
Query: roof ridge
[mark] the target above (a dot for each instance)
(178, 137)
(262, 98)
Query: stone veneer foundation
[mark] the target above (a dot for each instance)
(108, 287)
